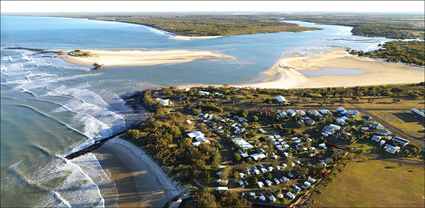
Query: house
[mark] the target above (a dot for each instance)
(279, 195)
(268, 182)
(367, 119)
(315, 114)
(272, 198)
(163, 102)
(325, 112)
(376, 138)
(280, 99)
(382, 142)
(203, 93)
(341, 111)
(290, 195)
(353, 113)
(383, 132)
(301, 112)
(330, 129)
(262, 197)
(308, 121)
(251, 195)
(276, 181)
(307, 184)
(242, 154)
(285, 178)
(291, 112)
(258, 156)
(296, 189)
(242, 143)
(392, 149)
(401, 141)
(198, 138)
(322, 145)
(341, 121)
(376, 126)
(281, 114)
(260, 184)
(311, 180)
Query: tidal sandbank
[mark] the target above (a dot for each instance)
(140, 57)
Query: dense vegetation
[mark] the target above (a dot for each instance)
(410, 52)
(79, 53)
(212, 25)
(395, 26)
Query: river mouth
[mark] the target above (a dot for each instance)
(330, 72)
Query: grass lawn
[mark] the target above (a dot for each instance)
(375, 183)
(402, 120)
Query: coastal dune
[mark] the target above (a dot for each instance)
(140, 57)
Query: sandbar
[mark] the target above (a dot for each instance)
(286, 73)
(140, 57)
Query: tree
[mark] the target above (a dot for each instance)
(216, 160)
(225, 173)
(204, 199)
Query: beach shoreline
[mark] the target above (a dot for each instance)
(287, 72)
(136, 175)
(128, 57)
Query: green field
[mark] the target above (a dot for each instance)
(375, 183)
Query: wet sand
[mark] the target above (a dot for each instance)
(139, 181)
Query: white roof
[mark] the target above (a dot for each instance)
(195, 134)
(242, 143)
(258, 156)
(280, 98)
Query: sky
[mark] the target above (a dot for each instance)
(210, 6)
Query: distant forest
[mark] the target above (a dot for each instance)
(396, 26)
(212, 25)
(410, 52)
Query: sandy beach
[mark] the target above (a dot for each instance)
(139, 180)
(140, 57)
(181, 37)
(287, 73)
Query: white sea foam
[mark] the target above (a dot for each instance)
(80, 186)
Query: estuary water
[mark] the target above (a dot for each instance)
(50, 108)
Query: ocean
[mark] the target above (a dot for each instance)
(50, 108)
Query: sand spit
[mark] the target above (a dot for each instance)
(140, 57)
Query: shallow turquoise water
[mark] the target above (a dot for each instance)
(49, 107)
(330, 72)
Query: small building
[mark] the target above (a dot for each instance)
(330, 129)
(376, 126)
(203, 93)
(242, 143)
(325, 112)
(262, 197)
(280, 99)
(392, 149)
(401, 141)
(258, 156)
(164, 102)
(268, 182)
(307, 184)
(376, 138)
(383, 132)
(198, 138)
(311, 180)
(290, 195)
(272, 198)
(291, 112)
(260, 184)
